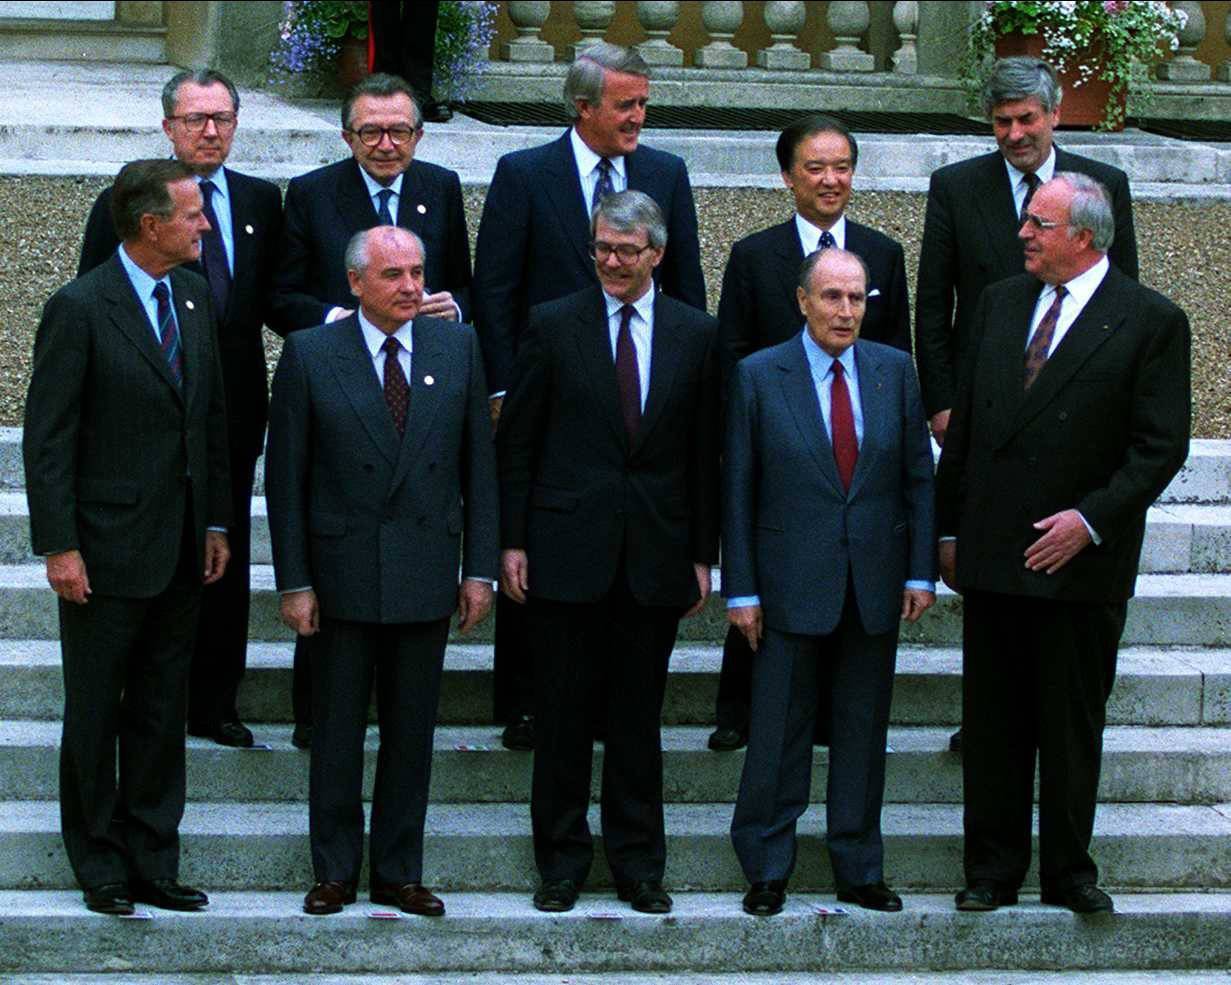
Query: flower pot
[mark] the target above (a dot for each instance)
(352, 64)
(1084, 104)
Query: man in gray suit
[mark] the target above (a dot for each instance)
(827, 520)
(380, 459)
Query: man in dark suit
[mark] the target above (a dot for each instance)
(608, 467)
(126, 466)
(817, 157)
(1072, 418)
(827, 543)
(533, 246)
(372, 499)
(201, 110)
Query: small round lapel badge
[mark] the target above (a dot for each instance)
(249, 230)
(429, 380)
(189, 305)
(421, 209)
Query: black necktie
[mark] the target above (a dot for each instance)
(169, 333)
(1032, 185)
(214, 253)
(383, 213)
(627, 376)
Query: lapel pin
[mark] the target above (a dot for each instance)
(421, 209)
(189, 305)
(429, 380)
(249, 230)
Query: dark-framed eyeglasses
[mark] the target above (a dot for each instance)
(624, 252)
(1037, 223)
(371, 135)
(195, 122)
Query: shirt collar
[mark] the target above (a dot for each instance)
(219, 178)
(644, 305)
(1082, 287)
(587, 160)
(374, 338)
(1044, 170)
(374, 187)
(142, 282)
(810, 234)
(820, 361)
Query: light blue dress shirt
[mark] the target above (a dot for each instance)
(144, 284)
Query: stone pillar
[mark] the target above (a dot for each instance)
(1184, 67)
(528, 17)
(848, 20)
(593, 17)
(1224, 70)
(785, 20)
(658, 17)
(906, 20)
(721, 19)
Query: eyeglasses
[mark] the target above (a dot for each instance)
(1037, 223)
(370, 136)
(624, 252)
(195, 122)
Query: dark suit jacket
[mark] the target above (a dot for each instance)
(970, 241)
(256, 220)
(758, 307)
(372, 521)
(574, 493)
(1102, 430)
(326, 207)
(534, 237)
(790, 531)
(109, 438)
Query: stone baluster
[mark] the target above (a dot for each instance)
(658, 17)
(721, 19)
(593, 17)
(1224, 70)
(785, 20)
(848, 20)
(528, 17)
(906, 20)
(1184, 67)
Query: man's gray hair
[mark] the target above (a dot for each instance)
(630, 212)
(197, 76)
(1021, 77)
(1090, 208)
(811, 261)
(356, 256)
(585, 75)
(382, 85)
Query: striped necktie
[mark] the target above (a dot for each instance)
(169, 333)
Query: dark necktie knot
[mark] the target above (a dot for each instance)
(207, 190)
(827, 242)
(384, 213)
(1032, 182)
(391, 346)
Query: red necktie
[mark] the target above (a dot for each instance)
(397, 390)
(1040, 342)
(628, 379)
(842, 423)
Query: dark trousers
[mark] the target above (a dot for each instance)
(634, 663)
(221, 648)
(404, 41)
(777, 776)
(301, 680)
(512, 662)
(125, 665)
(405, 661)
(1036, 675)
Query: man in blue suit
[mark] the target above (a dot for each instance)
(534, 246)
(827, 515)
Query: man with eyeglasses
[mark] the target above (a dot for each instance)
(607, 450)
(201, 113)
(1072, 418)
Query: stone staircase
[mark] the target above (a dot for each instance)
(1163, 830)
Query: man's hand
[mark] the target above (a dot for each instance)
(703, 582)
(915, 601)
(217, 554)
(747, 619)
(439, 305)
(494, 406)
(474, 602)
(514, 575)
(300, 611)
(1066, 536)
(67, 577)
(939, 423)
(948, 563)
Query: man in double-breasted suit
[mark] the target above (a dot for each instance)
(201, 112)
(126, 467)
(1073, 417)
(827, 544)
(608, 466)
(380, 475)
(759, 308)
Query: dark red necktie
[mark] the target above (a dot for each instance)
(397, 390)
(1040, 342)
(842, 423)
(627, 377)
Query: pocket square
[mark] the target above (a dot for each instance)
(874, 293)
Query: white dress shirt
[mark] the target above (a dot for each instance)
(1017, 179)
(810, 235)
(588, 171)
(1078, 292)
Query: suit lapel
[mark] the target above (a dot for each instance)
(190, 316)
(412, 207)
(426, 364)
(993, 197)
(870, 369)
(563, 188)
(353, 204)
(790, 251)
(594, 351)
(800, 394)
(353, 368)
(129, 317)
(243, 239)
(665, 356)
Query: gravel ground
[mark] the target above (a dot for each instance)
(1185, 252)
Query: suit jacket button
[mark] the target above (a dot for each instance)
(1032, 461)
(1064, 415)
(369, 467)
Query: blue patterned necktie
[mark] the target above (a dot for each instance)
(383, 213)
(826, 242)
(169, 333)
(605, 185)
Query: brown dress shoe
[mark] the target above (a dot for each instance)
(410, 898)
(328, 897)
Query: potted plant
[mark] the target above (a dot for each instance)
(1101, 49)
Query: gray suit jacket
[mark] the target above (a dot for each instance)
(372, 521)
(790, 531)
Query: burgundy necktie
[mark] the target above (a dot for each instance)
(169, 333)
(1032, 185)
(842, 423)
(1040, 342)
(397, 390)
(214, 253)
(627, 377)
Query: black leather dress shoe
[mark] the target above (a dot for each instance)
(112, 898)
(328, 897)
(235, 734)
(979, 897)
(1086, 898)
(167, 894)
(409, 898)
(519, 735)
(647, 896)
(556, 896)
(955, 741)
(301, 738)
(727, 739)
(873, 896)
(764, 899)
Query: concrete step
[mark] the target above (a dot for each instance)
(1154, 686)
(36, 39)
(487, 846)
(1140, 764)
(706, 939)
(964, 977)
